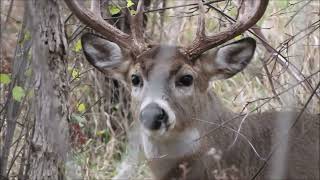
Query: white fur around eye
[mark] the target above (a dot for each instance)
(181, 91)
(137, 91)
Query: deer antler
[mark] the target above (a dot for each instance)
(251, 12)
(93, 19)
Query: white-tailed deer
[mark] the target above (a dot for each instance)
(182, 129)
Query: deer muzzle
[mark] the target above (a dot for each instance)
(153, 117)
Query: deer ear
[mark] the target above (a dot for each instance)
(229, 59)
(104, 55)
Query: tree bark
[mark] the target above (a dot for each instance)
(49, 144)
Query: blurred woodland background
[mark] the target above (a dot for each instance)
(63, 119)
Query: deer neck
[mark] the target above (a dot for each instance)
(177, 146)
(163, 156)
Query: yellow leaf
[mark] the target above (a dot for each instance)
(100, 133)
(81, 107)
(78, 46)
(114, 10)
(75, 74)
(238, 37)
(129, 3)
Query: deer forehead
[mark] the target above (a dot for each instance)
(161, 63)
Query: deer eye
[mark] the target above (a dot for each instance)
(136, 80)
(185, 80)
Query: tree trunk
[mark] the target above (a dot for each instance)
(49, 144)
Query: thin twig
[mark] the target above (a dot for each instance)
(293, 70)
(8, 15)
(239, 128)
(296, 13)
(237, 132)
(180, 6)
(269, 77)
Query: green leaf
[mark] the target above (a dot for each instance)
(18, 93)
(114, 10)
(81, 107)
(5, 79)
(78, 46)
(129, 3)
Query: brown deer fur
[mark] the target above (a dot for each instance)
(200, 145)
(204, 112)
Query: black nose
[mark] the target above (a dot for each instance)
(152, 116)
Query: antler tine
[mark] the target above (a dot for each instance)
(136, 26)
(95, 7)
(201, 22)
(252, 10)
(94, 20)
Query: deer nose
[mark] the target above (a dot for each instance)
(152, 116)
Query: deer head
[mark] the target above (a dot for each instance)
(167, 82)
